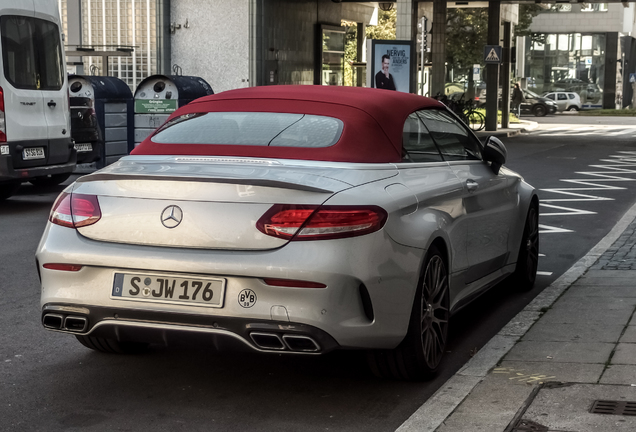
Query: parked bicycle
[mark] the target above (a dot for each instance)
(465, 110)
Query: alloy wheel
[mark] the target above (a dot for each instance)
(435, 314)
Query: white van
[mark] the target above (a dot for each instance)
(35, 132)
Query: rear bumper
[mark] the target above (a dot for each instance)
(370, 285)
(137, 325)
(8, 173)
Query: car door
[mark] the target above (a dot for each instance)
(488, 199)
(561, 101)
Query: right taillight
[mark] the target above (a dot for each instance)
(75, 210)
(298, 222)
(3, 129)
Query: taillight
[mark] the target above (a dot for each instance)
(293, 283)
(75, 210)
(3, 130)
(298, 222)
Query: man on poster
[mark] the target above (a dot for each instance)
(383, 79)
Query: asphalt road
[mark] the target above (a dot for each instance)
(49, 382)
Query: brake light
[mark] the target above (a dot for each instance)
(3, 130)
(297, 222)
(75, 210)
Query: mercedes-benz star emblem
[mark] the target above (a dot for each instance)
(171, 216)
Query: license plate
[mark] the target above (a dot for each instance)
(83, 147)
(33, 153)
(167, 289)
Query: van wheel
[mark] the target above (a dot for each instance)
(49, 180)
(8, 189)
(420, 353)
(112, 346)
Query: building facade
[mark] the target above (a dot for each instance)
(587, 48)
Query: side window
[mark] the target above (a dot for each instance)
(562, 96)
(417, 144)
(453, 140)
(571, 95)
(550, 96)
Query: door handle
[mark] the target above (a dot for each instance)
(51, 104)
(471, 185)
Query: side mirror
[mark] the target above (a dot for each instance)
(495, 152)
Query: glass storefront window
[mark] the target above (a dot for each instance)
(333, 41)
(593, 7)
(560, 8)
(567, 62)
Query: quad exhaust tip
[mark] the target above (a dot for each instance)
(272, 341)
(71, 323)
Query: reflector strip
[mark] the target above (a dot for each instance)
(293, 283)
(63, 267)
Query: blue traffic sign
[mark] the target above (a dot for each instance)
(492, 54)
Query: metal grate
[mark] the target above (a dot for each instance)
(624, 408)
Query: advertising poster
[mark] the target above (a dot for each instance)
(390, 65)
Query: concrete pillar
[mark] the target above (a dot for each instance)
(438, 48)
(609, 84)
(492, 70)
(74, 29)
(505, 74)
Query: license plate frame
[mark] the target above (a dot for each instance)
(31, 153)
(169, 289)
(83, 147)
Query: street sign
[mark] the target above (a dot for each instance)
(476, 69)
(632, 77)
(492, 54)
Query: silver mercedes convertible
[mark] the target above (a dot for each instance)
(291, 219)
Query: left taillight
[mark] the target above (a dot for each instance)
(299, 222)
(75, 210)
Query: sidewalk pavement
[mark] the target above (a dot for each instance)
(573, 345)
(512, 130)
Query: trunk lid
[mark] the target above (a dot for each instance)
(206, 202)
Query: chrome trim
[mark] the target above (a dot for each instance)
(60, 317)
(317, 347)
(79, 318)
(282, 344)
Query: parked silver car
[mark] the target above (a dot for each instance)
(292, 219)
(565, 101)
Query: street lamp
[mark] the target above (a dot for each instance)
(386, 6)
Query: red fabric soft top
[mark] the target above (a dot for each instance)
(373, 122)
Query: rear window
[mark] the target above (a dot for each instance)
(31, 53)
(251, 128)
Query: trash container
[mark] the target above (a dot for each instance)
(101, 118)
(158, 96)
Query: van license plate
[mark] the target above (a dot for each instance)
(83, 147)
(33, 153)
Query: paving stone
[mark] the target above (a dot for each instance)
(567, 408)
(561, 352)
(567, 332)
(630, 334)
(537, 372)
(625, 354)
(619, 374)
(609, 317)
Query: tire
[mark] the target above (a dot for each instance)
(50, 180)
(419, 355)
(111, 346)
(573, 108)
(477, 121)
(527, 262)
(8, 189)
(539, 111)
